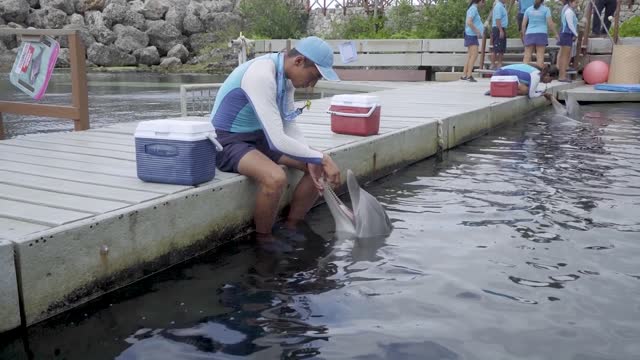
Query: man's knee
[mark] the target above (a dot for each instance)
(274, 181)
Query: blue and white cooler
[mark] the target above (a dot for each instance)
(177, 152)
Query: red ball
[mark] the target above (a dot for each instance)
(596, 72)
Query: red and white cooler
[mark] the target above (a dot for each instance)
(354, 114)
(504, 86)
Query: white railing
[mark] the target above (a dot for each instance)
(197, 99)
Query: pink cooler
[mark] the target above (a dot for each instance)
(504, 86)
(353, 114)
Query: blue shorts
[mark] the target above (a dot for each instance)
(237, 145)
(566, 39)
(536, 39)
(499, 45)
(470, 40)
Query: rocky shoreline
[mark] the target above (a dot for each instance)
(153, 35)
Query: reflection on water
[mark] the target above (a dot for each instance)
(522, 244)
(116, 98)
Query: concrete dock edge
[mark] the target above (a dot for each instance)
(9, 302)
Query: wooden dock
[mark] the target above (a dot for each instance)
(80, 223)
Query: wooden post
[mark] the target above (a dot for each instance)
(584, 45)
(79, 91)
(616, 23)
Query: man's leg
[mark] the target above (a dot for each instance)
(523, 89)
(271, 180)
(304, 195)
(597, 25)
(609, 11)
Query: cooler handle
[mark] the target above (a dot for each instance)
(215, 142)
(373, 108)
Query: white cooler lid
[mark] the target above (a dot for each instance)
(356, 100)
(174, 129)
(504, 78)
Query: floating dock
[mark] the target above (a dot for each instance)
(75, 222)
(587, 93)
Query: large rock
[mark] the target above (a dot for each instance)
(98, 28)
(64, 5)
(63, 59)
(164, 36)
(155, 9)
(170, 62)
(10, 41)
(219, 6)
(85, 36)
(214, 22)
(180, 52)
(103, 35)
(175, 17)
(109, 55)
(14, 10)
(192, 24)
(76, 19)
(136, 6)
(113, 14)
(3, 47)
(135, 19)
(34, 3)
(147, 56)
(130, 38)
(197, 42)
(88, 5)
(47, 18)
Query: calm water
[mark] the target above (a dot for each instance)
(523, 244)
(113, 98)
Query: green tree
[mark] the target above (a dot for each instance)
(402, 18)
(274, 19)
(630, 28)
(360, 27)
(444, 19)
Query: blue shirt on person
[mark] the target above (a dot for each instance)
(537, 20)
(524, 5)
(472, 12)
(526, 74)
(500, 13)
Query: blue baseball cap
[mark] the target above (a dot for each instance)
(318, 51)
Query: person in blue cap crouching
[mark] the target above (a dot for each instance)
(254, 118)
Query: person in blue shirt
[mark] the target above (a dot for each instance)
(529, 77)
(499, 24)
(536, 23)
(568, 34)
(523, 5)
(473, 30)
(254, 118)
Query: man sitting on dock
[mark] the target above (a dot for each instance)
(253, 115)
(529, 77)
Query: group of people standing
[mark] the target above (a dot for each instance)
(534, 23)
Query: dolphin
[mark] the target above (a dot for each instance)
(367, 219)
(566, 114)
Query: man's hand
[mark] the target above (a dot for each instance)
(331, 170)
(547, 96)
